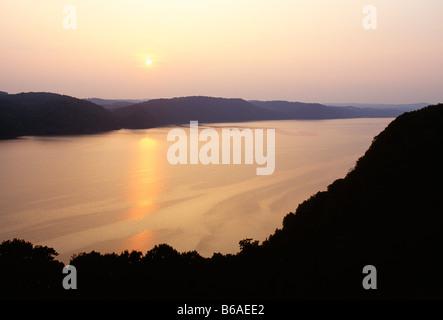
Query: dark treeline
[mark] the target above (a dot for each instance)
(387, 212)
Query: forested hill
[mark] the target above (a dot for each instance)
(160, 112)
(387, 212)
(43, 113)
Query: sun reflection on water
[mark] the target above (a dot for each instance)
(142, 241)
(145, 185)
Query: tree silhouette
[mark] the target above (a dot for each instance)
(29, 271)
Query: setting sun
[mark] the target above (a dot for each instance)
(148, 62)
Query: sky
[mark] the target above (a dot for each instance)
(297, 50)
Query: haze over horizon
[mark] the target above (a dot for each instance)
(251, 49)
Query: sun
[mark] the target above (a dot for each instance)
(148, 62)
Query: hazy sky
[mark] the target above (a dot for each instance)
(298, 50)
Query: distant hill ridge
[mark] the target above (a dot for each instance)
(43, 113)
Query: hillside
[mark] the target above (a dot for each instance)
(161, 112)
(387, 212)
(51, 114)
(316, 111)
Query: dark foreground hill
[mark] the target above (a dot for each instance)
(51, 114)
(386, 213)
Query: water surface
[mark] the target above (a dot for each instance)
(115, 191)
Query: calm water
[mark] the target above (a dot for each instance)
(117, 191)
